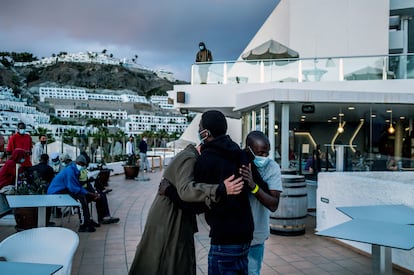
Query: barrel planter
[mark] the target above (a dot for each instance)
(131, 171)
(289, 171)
(289, 219)
(26, 218)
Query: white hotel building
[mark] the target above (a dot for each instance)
(134, 123)
(351, 89)
(14, 110)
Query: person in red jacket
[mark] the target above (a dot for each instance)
(23, 141)
(8, 171)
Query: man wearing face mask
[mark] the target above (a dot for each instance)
(203, 55)
(67, 182)
(39, 149)
(8, 171)
(23, 141)
(230, 221)
(264, 179)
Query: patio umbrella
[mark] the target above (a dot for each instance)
(271, 49)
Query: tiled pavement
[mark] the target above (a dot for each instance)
(110, 250)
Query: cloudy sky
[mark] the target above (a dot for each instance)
(163, 33)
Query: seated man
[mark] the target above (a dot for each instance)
(102, 207)
(42, 174)
(67, 182)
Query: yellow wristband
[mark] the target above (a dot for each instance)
(255, 189)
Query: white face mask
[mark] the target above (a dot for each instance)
(200, 135)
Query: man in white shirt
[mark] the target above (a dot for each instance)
(39, 149)
(130, 150)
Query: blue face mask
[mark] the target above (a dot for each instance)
(201, 48)
(80, 167)
(22, 131)
(22, 160)
(259, 161)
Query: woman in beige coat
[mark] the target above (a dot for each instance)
(167, 244)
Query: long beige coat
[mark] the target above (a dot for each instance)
(167, 244)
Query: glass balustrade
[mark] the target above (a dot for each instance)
(381, 67)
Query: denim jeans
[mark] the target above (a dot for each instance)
(228, 259)
(255, 259)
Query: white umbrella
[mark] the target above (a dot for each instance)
(271, 49)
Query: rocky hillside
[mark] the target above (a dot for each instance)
(97, 77)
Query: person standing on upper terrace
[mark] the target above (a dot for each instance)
(203, 55)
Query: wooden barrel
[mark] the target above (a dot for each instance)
(289, 218)
(289, 171)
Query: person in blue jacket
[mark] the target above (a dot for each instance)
(67, 182)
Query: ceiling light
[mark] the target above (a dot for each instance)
(351, 108)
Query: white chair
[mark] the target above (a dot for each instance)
(49, 245)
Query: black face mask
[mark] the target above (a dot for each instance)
(43, 142)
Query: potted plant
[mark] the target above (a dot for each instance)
(26, 217)
(131, 167)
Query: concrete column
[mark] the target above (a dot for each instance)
(285, 136)
(398, 141)
(253, 120)
(271, 129)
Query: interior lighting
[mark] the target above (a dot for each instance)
(341, 124)
(391, 129)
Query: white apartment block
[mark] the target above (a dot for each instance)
(146, 122)
(81, 94)
(161, 101)
(98, 114)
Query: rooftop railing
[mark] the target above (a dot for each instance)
(379, 67)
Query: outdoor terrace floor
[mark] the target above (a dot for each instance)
(110, 250)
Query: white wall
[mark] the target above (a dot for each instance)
(363, 188)
(321, 28)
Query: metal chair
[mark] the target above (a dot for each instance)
(48, 245)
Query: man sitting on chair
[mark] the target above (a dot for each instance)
(67, 182)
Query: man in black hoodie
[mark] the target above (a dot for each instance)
(230, 220)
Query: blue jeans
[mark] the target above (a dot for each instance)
(255, 259)
(144, 161)
(228, 259)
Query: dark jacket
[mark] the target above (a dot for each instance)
(43, 171)
(204, 56)
(143, 146)
(230, 220)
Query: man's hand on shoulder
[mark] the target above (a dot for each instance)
(164, 184)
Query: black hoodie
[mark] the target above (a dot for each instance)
(230, 220)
